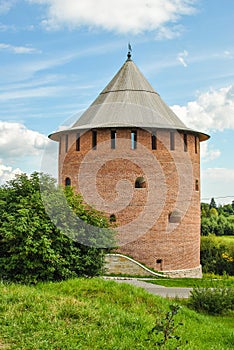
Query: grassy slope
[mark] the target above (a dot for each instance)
(96, 314)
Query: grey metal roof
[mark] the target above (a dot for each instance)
(128, 101)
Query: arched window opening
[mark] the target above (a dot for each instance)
(197, 185)
(140, 182)
(112, 218)
(159, 263)
(68, 181)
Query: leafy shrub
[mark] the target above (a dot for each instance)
(32, 248)
(214, 301)
(216, 257)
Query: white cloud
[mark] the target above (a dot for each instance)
(228, 54)
(181, 57)
(218, 183)
(21, 150)
(169, 33)
(213, 110)
(4, 27)
(123, 16)
(208, 153)
(18, 49)
(221, 174)
(7, 173)
(6, 5)
(18, 141)
(27, 69)
(30, 93)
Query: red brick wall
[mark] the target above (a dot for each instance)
(106, 178)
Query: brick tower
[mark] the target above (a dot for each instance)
(131, 157)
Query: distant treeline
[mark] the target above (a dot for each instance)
(217, 220)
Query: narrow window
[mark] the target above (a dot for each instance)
(133, 139)
(113, 139)
(60, 141)
(66, 144)
(94, 139)
(154, 140)
(112, 218)
(185, 142)
(159, 264)
(197, 185)
(140, 182)
(68, 181)
(195, 140)
(78, 141)
(172, 140)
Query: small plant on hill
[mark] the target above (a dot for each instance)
(165, 328)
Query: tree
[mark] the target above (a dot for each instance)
(213, 204)
(213, 212)
(205, 209)
(227, 209)
(217, 221)
(33, 248)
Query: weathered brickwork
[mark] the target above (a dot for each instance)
(159, 224)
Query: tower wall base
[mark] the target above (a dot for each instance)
(119, 264)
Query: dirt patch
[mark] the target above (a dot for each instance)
(3, 346)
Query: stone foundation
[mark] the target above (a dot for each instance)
(189, 273)
(119, 264)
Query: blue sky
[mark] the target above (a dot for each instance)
(56, 56)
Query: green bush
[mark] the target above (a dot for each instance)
(214, 301)
(32, 247)
(216, 257)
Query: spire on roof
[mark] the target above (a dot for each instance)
(129, 52)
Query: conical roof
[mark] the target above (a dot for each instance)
(128, 101)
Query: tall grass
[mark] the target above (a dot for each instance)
(97, 314)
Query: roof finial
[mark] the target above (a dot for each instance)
(129, 52)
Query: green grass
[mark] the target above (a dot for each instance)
(96, 314)
(207, 281)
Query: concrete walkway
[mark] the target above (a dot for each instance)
(156, 289)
